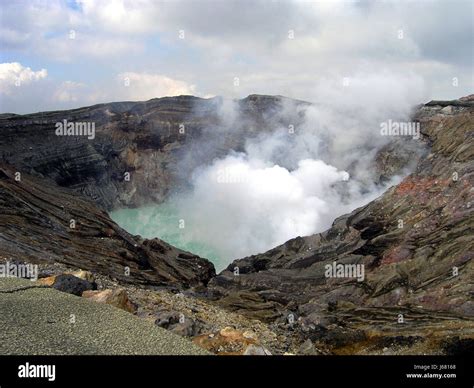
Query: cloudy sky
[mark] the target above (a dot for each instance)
(71, 53)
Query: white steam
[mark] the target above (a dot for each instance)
(241, 206)
(294, 180)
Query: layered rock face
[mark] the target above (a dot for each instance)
(415, 243)
(141, 150)
(41, 222)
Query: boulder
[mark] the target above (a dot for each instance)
(178, 323)
(47, 281)
(72, 284)
(231, 334)
(230, 341)
(307, 348)
(187, 328)
(117, 298)
(165, 319)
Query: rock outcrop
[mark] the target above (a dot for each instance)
(117, 298)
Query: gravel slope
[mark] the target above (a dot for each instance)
(37, 321)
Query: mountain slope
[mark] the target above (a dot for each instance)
(136, 154)
(41, 222)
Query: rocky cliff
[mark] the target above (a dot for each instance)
(142, 151)
(41, 222)
(135, 155)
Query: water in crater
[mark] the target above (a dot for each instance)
(163, 221)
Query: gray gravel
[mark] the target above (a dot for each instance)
(39, 321)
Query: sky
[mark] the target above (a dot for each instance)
(71, 53)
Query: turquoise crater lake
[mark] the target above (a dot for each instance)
(163, 221)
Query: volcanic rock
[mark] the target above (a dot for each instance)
(41, 222)
(134, 157)
(72, 284)
(117, 298)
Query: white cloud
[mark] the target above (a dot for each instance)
(123, 16)
(69, 91)
(71, 94)
(144, 86)
(14, 74)
(11, 37)
(87, 46)
(227, 39)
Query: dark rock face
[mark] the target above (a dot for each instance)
(142, 151)
(148, 140)
(178, 323)
(415, 242)
(41, 222)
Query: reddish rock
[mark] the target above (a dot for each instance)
(117, 298)
(228, 341)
